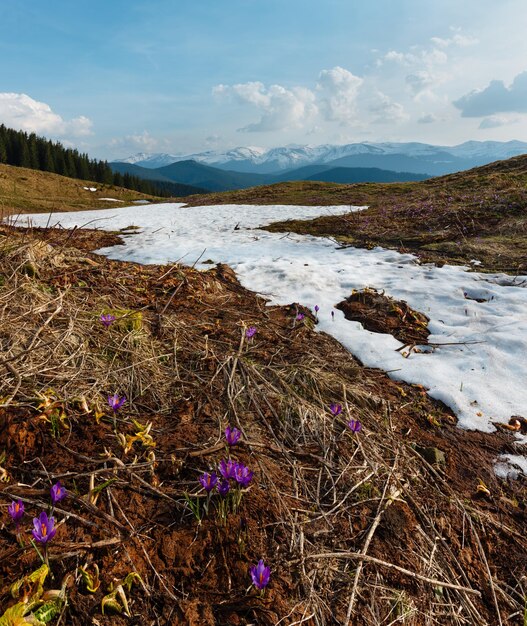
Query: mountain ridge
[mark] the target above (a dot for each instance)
(279, 159)
(215, 179)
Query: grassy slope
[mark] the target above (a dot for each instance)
(353, 526)
(479, 214)
(24, 190)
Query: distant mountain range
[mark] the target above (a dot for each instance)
(241, 168)
(414, 157)
(205, 177)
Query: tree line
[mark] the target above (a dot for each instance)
(28, 150)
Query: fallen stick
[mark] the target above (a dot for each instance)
(372, 559)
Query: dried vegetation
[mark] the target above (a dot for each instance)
(363, 529)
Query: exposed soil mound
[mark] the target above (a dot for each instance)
(382, 314)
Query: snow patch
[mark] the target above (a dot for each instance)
(477, 365)
(510, 466)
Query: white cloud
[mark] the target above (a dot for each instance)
(334, 99)
(213, 140)
(401, 58)
(19, 111)
(495, 98)
(434, 57)
(281, 108)
(495, 121)
(386, 110)
(337, 91)
(428, 118)
(426, 57)
(463, 41)
(420, 81)
(141, 142)
(425, 69)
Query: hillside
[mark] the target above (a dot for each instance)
(211, 178)
(348, 175)
(479, 214)
(216, 179)
(177, 187)
(401, 520)
(24, 190)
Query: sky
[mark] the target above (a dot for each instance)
(182, 76)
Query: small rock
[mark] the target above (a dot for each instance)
(431, 455)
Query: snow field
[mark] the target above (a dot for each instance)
(480, 370)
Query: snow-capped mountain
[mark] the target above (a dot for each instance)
(151, 161)
(412, 156)
(210, 157)
(499, 149)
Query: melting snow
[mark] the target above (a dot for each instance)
(477, 365)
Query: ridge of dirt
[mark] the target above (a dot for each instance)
(382, 314)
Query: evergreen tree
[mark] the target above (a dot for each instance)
(47, 162)
(70, 167)
(83, 167)
(60, 162)
(25, 159)
(33, 152)
(3, 151)
(29, 150)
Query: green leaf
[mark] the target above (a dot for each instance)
(92, 582)
(48, 611)
(110, 602)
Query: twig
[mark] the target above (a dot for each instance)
(402, 570)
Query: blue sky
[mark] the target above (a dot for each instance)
(114, 77)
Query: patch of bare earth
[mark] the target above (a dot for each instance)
(380, 313)
(379, 527)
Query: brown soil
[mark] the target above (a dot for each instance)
(382, 314)
(320, 497)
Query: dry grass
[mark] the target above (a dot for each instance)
(478, 214)
(358, 529)
(24, 190)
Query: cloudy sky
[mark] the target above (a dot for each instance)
(117, 77)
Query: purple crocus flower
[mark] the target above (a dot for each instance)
(227, 468)
(243, 475)
(208, 481)
(355, 426)
(317, 308)
(333, 315)
(260, 575)
(116, 402)
(232, 435)
(223, 488)
(58, 493)
(44, 528)
(251, 332)
(16, 511)
(300, 317)
(336, 409)
(107, 319)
